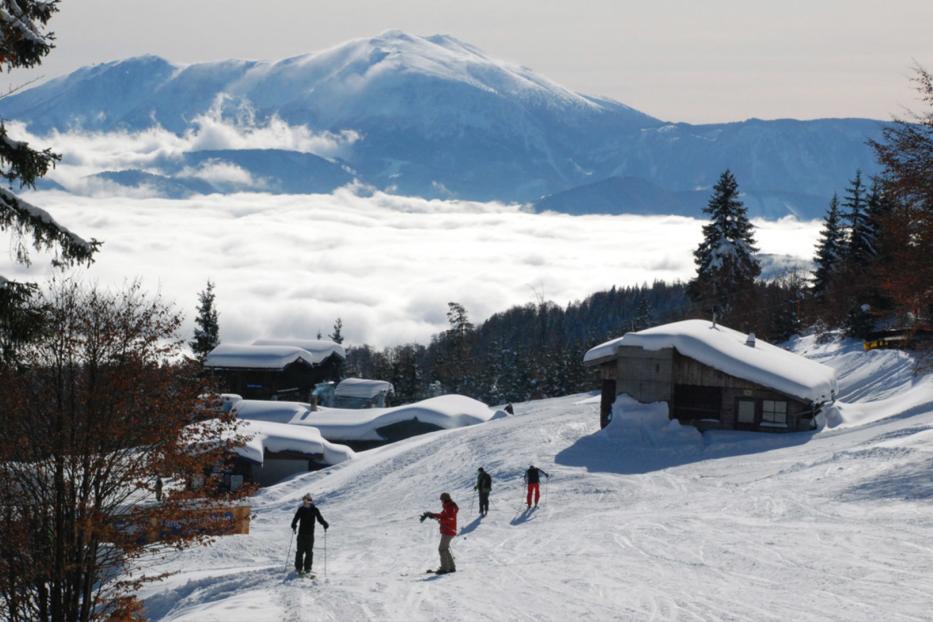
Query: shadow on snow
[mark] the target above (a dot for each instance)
(600, 453)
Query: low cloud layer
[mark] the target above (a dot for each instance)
(86, 153)
(289, 265)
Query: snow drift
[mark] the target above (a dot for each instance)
(648, 426)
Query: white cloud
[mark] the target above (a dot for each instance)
(220, 172)
(288, 265)
(87, 153)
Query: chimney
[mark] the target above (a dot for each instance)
(750, 341)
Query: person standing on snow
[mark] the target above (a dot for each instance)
(448, 523)
(483, 486)
(533, 479)
(304, 519)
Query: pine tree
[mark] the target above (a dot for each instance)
(878, 209)
(460, 324)
(337, 335)
(207, 328)
(858, 250)
(725, 259)
(642, 314)
(829, 251)
(24, 42)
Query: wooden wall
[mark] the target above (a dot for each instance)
(662, 375)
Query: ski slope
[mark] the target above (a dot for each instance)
(836, 525)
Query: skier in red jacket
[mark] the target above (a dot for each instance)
(448, 523)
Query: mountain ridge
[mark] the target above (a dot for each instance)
(438, 117)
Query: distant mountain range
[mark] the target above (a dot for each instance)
(436, 117)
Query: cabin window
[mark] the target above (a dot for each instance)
(746, 412)
(774, 412)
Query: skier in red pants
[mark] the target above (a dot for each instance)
(533, 479)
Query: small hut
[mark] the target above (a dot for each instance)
(712, 376)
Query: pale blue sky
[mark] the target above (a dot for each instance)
(681, 60)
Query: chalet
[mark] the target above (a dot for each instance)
(275, 369)
(713, 377)
(362, 393)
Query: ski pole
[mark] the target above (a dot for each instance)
(325, 553)
(289, 554)
(473, 502)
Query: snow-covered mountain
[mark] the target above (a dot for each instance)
(434, 116)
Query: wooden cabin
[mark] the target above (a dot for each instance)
(275, 369)
(713, 377)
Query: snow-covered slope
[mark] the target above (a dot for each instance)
(650, 525)
(435, 116)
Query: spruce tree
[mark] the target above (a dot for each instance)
(829, 251)
(337, 335)
(858, 245)
(878, 209)
(725, 259)
(24, 42)
(207, 328)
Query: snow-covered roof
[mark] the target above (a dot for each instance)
(265, 356)
(363, 388)
(725, 349)
(323, 347)
(274, 437)
(446, 411)
(268, 410)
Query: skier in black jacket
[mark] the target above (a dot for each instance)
(533, 479)
(483, 486)
(304, 519)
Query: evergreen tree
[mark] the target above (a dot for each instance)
(642, 315)
(878, 210)
(206, 326)
(725, 259)
(858, 244)
(337, 335)
(829, 251)
(454, 364)
(24, 42)
(460, 325)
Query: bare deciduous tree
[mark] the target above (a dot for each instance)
(101, 406)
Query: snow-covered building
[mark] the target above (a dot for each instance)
(362, 393)
(275, 451)
(370, 427)
(713, 377)
(275, 368)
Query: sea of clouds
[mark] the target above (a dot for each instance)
(289, 265)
